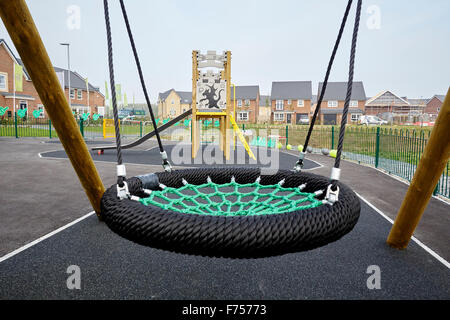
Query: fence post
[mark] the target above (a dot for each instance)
(377, 147)
(332, 137)
(49, 128)
(15, 124)
(140, 128)
(82, 126)
(287, 136)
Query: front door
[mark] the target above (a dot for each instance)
(329, 119)
(288, 117)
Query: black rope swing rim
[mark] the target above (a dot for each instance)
(231, 236)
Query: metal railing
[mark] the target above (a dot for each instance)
(395, 150)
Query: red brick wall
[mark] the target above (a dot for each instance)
(253, 110)
(324, 106)
(292, 107)
(433, 105)
(7, 66)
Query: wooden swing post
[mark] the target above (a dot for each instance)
(25, 36)
(431, 165)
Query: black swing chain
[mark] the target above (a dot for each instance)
(299, 164)
(333, 190)
(121, 174)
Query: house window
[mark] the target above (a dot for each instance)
(23, 104)
(173, 102)
(239, 103)
(72, 93)
(355, 117)
(289, 102)
(41, 109)
(278, 116)
(3, 81)
(354, 103)
(101, 111)
(301, 103)
(247, 102)
(332, 104)
(80, 94)
(243, 116)
(279, 104)
(172, 112)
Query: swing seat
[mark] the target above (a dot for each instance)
(258, 216)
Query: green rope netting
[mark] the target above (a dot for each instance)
(232, 199)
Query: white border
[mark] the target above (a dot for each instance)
(421, 244)
(48, 235)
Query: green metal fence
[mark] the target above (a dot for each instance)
(394, 150)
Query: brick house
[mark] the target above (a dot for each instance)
(333, 101)
(29, 98)
(247, 103)
(290, 101)
(172, 103)
(82, 100)
(433, 106)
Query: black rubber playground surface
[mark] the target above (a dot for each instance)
(115, 268)
(180, 155)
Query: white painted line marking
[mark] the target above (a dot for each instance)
(420, 243)
(48, 235)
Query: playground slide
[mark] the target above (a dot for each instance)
(241, 137)
(148, 135)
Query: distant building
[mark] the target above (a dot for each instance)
(82, 100)
(386, 102)
(290, 101)
(247, 103)
(172, 103)
(333, 101)
(433, 106)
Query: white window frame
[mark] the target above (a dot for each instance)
(41, 107)
(5, 75)
(289, 102)
(353, 103)
(300, 103)
(278, 116)
(72, 93)
(355, 115)
(247, 102)
(239, 103)
(240, 116)
(80, 94)
(279, 105)
(333, 104)
(101, 111)
(172, 111)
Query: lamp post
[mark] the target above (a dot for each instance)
(68, 69)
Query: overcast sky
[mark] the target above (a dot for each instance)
(403, 44)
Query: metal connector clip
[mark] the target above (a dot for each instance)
(332, 195)
(122, 192)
